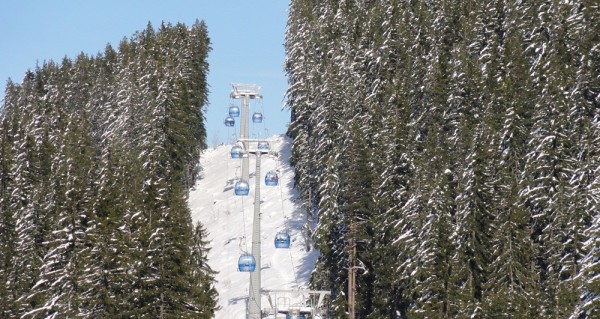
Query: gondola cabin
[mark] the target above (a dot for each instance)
(237, 152)
(229, 121)
(271, 179)
(282, 240)
(234, 111)
(296, 314)
(263, 145)
(246, 263)
(242, 188)
(257, 117)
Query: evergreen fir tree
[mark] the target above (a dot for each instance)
(203, 299)
(7, 224)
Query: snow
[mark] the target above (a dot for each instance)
(228, 220)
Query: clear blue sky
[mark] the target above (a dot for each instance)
(247, 43)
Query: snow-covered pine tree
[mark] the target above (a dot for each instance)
(203, 297)
(552, 158)
(394, 166)
(302, 65)
(9, 122)
(511, 286)
(433, 228)
(61, 283)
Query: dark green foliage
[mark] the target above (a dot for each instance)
(96, 157)
(205, 294)
(463, 135)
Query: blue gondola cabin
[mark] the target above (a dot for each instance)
(241, 188)
(264, 145)
(282, 240)
(237, 152)
(246, 263)
(234, 111)
(257, 117)
(271, 179)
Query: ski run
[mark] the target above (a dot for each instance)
(228, 219)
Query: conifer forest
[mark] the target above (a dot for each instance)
(447, 153)
(453, 148)
(96, 156)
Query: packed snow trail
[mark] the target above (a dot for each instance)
(228, 220)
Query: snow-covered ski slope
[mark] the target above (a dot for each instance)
(228, 220)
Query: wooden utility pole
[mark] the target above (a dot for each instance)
(309, 219)
(352, 271)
